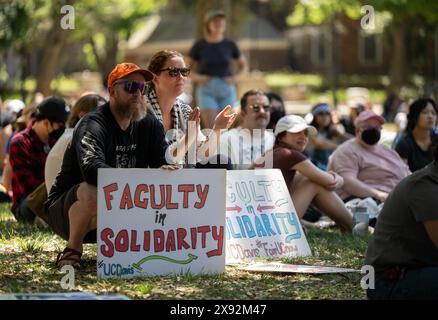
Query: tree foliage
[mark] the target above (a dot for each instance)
(28, 25)
(391, 16)
(319, 11)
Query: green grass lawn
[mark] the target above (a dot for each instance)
(27, 255)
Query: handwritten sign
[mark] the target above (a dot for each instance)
(261, 221)
(155, 222)
(294, 268)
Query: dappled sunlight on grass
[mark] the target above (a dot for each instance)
(28, 253)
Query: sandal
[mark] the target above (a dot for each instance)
(70, 257)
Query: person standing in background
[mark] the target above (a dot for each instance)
(213, 74)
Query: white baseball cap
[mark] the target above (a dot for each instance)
(15, 105)
(294, 124)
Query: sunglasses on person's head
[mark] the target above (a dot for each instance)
(174, 72)
(258, 107)
(132, 86)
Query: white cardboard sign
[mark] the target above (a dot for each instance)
(156, 222)
(294, 268)
(261, 221)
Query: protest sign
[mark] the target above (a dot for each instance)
(294, 268)
(261, 221)
(157, 222)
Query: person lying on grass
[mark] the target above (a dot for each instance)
(307, 183)
(105, 138)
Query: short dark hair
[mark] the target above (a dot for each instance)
(273, 96)
(52, 108)
(415, 109)
(244, 99)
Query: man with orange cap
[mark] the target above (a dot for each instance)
(106, 138)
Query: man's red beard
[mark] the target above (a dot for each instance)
(129, 107)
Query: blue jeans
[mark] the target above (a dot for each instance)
(216, 94)
(421, 283)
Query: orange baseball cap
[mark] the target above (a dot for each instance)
(123, 69)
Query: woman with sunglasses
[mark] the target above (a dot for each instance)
(328, 138)
(178, 118)
(213, 56)
(307, 183)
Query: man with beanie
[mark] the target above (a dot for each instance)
(28, 153)
(105, 138)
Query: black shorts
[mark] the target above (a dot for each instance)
(59, 219)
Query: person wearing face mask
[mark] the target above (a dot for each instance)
(28, 153)
(368, 168)
(36, 199)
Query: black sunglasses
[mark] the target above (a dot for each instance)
(174, 72)
(132, 86)
(257, 107)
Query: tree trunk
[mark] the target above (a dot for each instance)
(51, 58)
(106, 60)
(52, 50)
(398, 71)
(334, 65)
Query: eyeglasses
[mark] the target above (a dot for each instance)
(132, 86)
(174, 72)
(258, 107)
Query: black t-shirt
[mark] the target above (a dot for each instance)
(214, 59)
(348, 125)
(408, 149)
(99, 142)
(400, 238)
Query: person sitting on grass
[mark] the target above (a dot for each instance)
(106, 138)
(329, 136)
(170, 77)
(404, 248)
(36, 199)
(250, 139)
(415, 144)
(368, 168)
(84, 105)
(28, 153)
(307, 183)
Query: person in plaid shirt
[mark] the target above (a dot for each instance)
(28, 153)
